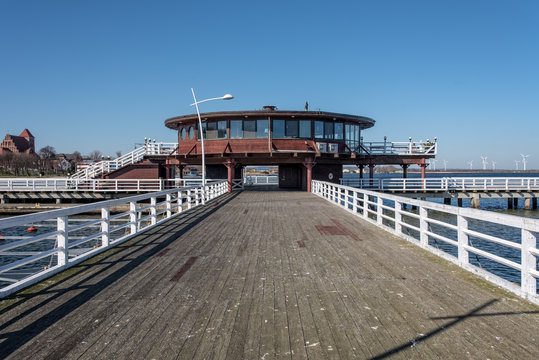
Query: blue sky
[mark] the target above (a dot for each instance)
(102, 75)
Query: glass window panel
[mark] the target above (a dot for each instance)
(319, 129)
(278, 128)
(236, 129)
(356, 133)
(292, 128)
(183, 134)
(204, 129)
(305, 129)
(249, 128)
(338, 131)
(328, 130)
(221, 129)
(211, 130)
(262, 128)
(191, 132)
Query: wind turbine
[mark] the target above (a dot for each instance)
(433, 162)
(524, 159)
(484, 160)
(516, 163)
(445, 165)
(471, 164)
(493, 165)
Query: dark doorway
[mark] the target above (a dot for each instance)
(290, 176)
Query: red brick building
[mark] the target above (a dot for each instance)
(22, 144)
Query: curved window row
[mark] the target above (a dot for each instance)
(281, 129)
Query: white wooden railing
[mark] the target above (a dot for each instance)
(93, 185)
(261, 179)
(25, 260)
(455, 228)
(132, 157)
(399, 148)
(446, 184)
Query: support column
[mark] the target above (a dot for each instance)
(528, 203)
(423, 172)
(534, 203)
(509, 203)
(515, 203)
(447, 201)
(459, 202)
(371, 174)
(309, 163)
(404, 171)
(230, 165)
(476, 202)
(361, 171)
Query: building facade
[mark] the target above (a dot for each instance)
(22, 144)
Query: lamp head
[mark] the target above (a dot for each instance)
(227, 97)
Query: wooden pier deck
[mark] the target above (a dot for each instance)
(263, 275)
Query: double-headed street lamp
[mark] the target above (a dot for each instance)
(201, 132)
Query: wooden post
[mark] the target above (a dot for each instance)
(459, 202)
(447, 201)
(509, 203)
(476, 201)
(528, 203)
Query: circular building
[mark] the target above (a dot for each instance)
(304, 144)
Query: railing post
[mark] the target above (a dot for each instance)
(133, 217)
(528, 262)
(365, 206)
(398, 217)
(62, 240)
(105, 227)
(423, 226)
(153, 210)
(379, 210)
(180, 201)
(354, 206)
(462, 224)
(169, 205)
(189, 199)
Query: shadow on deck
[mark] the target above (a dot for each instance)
(260, 274)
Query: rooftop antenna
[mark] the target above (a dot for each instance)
(493, 165)
(445, 165)
(516, 163)
(471, 164)
(524, 160)
(484, 160)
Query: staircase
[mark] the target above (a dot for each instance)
(106, 166)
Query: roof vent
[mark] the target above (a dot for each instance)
(269, 107)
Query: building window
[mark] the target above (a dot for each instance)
(236, 129)
(352, 137)
(183, 134)
(211, 130)
(328, 130)
(278, 128)
(191, 132)
(221, 129)
(319, 129)
(291, 130)
(262, 128)
(249, 128)
(305, 129)
(338, 131)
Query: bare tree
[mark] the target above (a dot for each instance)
(96, 155)
(47, 154)
(118, 154)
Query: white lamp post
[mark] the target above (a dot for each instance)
(225, 97)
